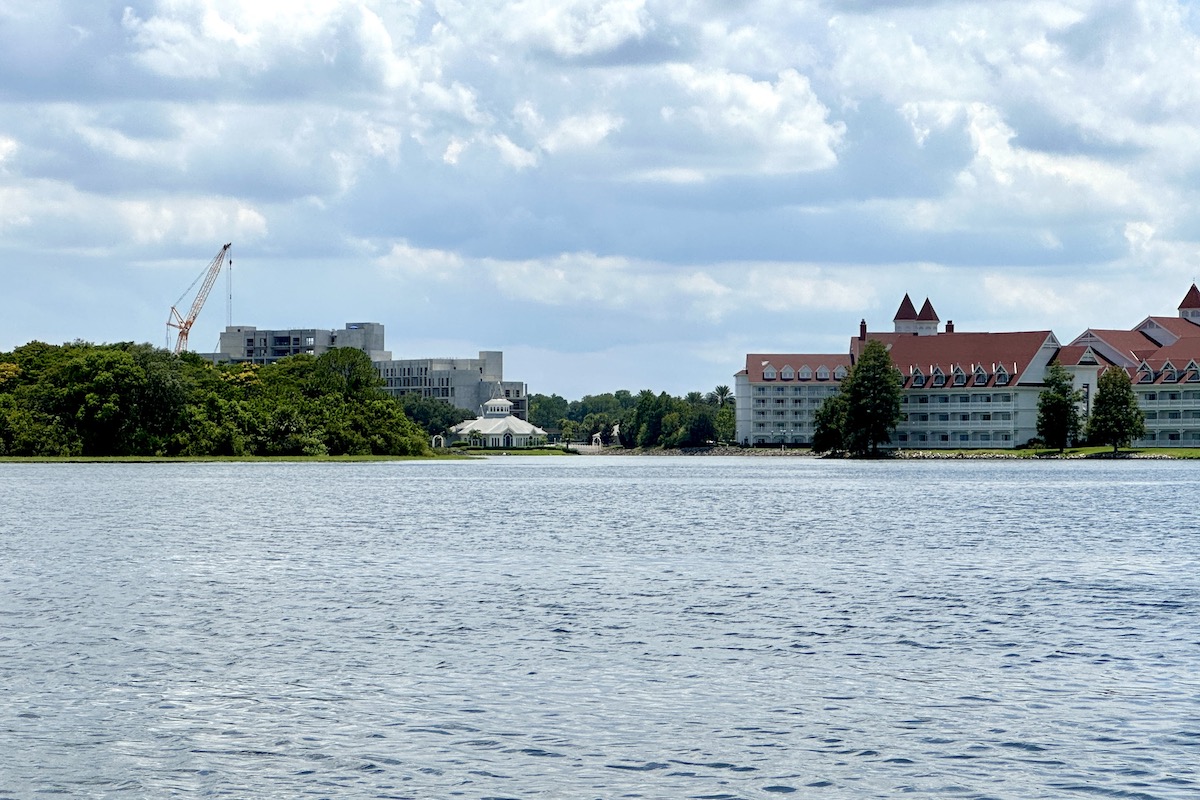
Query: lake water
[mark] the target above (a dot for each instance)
(601, 628)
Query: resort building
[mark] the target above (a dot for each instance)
(467, 383)
(777, 396)
(1162, 357)
(498, 427)
(963, 390)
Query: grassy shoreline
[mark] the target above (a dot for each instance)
(465, 454)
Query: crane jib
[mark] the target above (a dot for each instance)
(184, 323)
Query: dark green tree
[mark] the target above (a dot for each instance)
(1058, 419)
(829, 426)
(546, 410)
(726, 423)
(346, 371)
(433, 415)
(1116, 418)
(872, 394)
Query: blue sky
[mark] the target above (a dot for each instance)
(616, 193)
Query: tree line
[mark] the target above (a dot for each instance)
(83, 399)
(861, 417)
(645, 419)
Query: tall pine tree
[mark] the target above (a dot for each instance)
(1116, 418)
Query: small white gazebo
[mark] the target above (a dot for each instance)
(498, 427)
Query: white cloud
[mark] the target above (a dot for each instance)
(512, 154)
(406, 261)
(191, 220)
(783, 122)
(572, 28)
(580, 132)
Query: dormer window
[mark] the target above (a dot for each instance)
(805, 374)
(918, 380)
(980, 377)
(822, 373)
(839, 373)
(960, 378)
(769, 373)
(1001, 377)
(787, 373)
(939, 380)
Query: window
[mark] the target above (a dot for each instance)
(980, 377)
(839, 373)
(822, 373)
(918, 380)
(960, 378)
(788, 373)
(805, 374)
(1151, 396)
(1001, 379)
(769, 374)
(939, 380)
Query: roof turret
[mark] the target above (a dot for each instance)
(1191, 300)
(906, 311)
(927, 313)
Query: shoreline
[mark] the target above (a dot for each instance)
(906, 455)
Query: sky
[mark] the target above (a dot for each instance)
(618, 194)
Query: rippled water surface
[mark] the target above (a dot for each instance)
(601, 628)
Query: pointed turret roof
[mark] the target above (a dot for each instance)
(927, 313)
(1191, 299)
(906, 311)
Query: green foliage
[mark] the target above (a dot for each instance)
(1058, 419)
(1116, 418)
(829, 425)
(872, 395)
(725, 422)
(546, 410)
(721, 396)
(433, 415)
(125, 399)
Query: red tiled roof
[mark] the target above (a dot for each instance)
(1176, 325)
(906, 311)
(927, 313)
(757, 362)
(1071, 354)
(1133, 344)
(1191, 299)
(1179, 354)
(1015, 351)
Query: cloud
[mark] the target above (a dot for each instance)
(750, 175)
(783, 125)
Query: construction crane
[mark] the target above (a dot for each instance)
(184, 324)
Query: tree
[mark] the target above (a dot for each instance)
(433, 415)
(347, 371)
(1058, 408)
(872, 394)
(726, 423)
(829, 431)
(1116, 418)
(568, 431)
(720, 396)
(546, 410)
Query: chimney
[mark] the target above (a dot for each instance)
(949, 326)
(862, 330)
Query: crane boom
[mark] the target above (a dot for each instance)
(184, 324)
